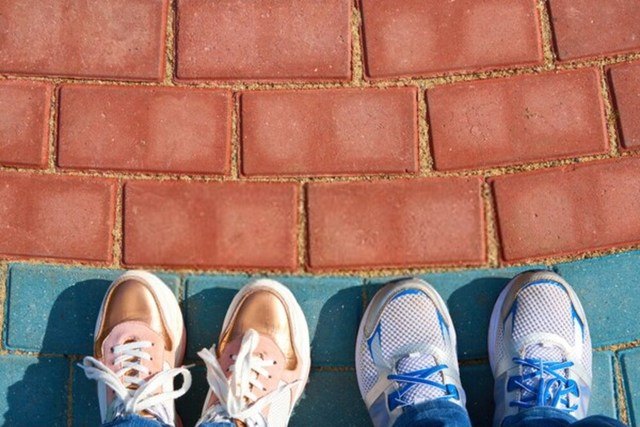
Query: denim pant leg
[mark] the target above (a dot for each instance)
(550, 417)
(434, 413)
(134, 421)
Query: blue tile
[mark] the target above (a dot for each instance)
(328, 392)
(630, 364)
(477, 381)
(54, 309)
(331, 396)
(603, 389)
(33, 391)
(608, 289)
(86, 411)
(326, 302)
(189, 406)
(206, 301)
(470, 296)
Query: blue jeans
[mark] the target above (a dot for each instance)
(443, 413)
(439, 413)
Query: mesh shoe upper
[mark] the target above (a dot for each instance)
(540, 347)
(406, 350)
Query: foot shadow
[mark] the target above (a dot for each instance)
(40, 392)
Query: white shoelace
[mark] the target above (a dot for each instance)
(146, 395)
(237, 401)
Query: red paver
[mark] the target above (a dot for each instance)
(569, 210)
(401, 223)
(268, 40)
(223, 225)
(586, 28)
(56, 217)
(24, 123)
(339, 131)
(521, 119)
(422, 37)
(117, 39)
(625, 81)
(145, 129)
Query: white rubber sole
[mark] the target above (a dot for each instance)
(168, 304)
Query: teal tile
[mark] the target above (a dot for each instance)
(327, 392)
(33, 391)
(470, 296)
(608, 290)
(189, 406)
(86, 411)
(477, 381)
(630, 364)
(53, 309)
(334, 396)
(326, 302)
(603, 389)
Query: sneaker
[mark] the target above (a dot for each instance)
(139, 342)
(261, 365)
(539, 347)
(406, 351)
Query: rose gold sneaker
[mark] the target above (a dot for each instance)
(139, 341)
(262, 362)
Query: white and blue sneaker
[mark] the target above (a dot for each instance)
(406, 351)
(539, 347)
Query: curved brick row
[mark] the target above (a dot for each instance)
(306, 40)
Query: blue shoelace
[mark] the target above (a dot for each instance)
(409, 380)
(552, 388)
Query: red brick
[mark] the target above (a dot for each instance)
(24, 123)
(269, 40)
(404, 223)
(118, 39)
(587, 28)
(218, 225)
(56, 217)
(424, 37)
(517, 120)
(329, 131)
(568, 210)
(625, 81)
(145, 129)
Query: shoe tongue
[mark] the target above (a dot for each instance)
(420, 392)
